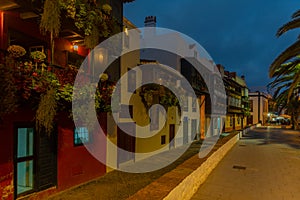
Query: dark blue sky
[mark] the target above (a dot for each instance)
(238, 34)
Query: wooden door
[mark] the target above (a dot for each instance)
(126, 142)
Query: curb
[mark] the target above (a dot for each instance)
(189, 186)
(182, 182)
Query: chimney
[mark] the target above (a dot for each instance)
(243, 77)
(150, 22)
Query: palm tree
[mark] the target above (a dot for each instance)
(285, 70)
(290, 55)
(282, 84)
(292, 50)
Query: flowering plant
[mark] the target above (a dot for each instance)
(51, 89)
(16, 51)
(103, 77)
(38, 56)
(106, 8)
(103, 97)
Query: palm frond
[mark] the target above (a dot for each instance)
(288, 26)
(296, 14)
(281, 89)
(294, 85)
(282, 79)
(286, 68)
(291, 52)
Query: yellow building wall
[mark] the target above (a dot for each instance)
(151, 145)
(228, 126)
(238, 122)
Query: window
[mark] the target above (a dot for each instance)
(194, 104)
(35, 160)
(131, 80)
(25, 160)
(215, 123)
(163, 140)
(251, 105)
(185, 104)
(36, 48)
(154, 115)
(81, 136)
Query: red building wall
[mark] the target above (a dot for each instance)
(75, 165)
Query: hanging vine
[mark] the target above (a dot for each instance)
(46, 111)
(50, 21)
(8, 89)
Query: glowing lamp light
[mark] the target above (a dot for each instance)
(75, 47)
(100, 58)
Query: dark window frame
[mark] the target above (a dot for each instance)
(16, 126)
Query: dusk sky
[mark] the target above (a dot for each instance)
(238, 34)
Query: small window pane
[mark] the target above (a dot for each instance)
(25, 142)
(36, 48)
(81, 135)
(25, 176)
(194, 104)
(185, 104)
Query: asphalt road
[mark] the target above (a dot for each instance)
(263, 165)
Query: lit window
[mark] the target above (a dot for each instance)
(81, 136)
(185, 104)
(194, 104)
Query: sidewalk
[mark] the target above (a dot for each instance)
(263, 166)
(152, 185)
